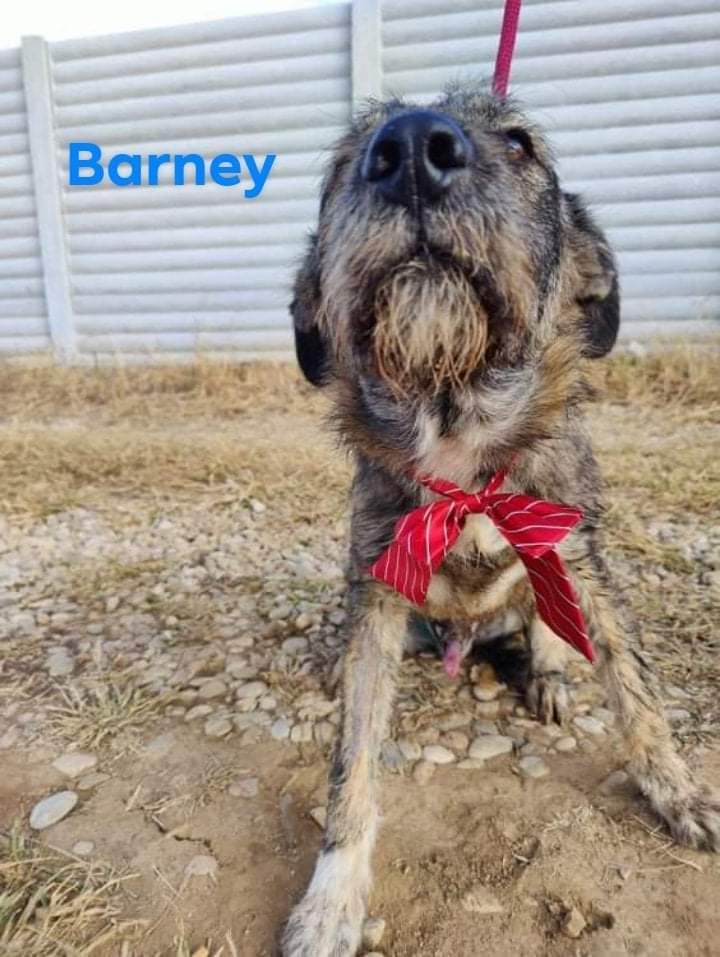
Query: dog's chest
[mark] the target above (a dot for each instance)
(481, 576)
(482, 573)
(452, 456)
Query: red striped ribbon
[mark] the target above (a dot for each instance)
(532, 526)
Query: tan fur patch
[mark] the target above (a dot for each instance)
(430, 328)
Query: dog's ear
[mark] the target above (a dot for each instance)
(598, 292)
(311, 344)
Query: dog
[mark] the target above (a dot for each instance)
(449, 302)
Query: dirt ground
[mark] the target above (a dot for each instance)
(171, 555)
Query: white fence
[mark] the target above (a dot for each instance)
(629, 89)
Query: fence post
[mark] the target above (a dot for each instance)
(48, 195)
(366, 49)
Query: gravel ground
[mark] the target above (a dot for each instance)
(169, 652)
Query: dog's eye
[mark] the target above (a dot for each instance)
(519, 144)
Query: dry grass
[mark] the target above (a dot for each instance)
(681, 374)
(53, 904)
(102, 709)
(74, 437)
(47, 469)
(682, 475)
(201, 389)
(670, 374)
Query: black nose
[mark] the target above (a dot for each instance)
(416, 155)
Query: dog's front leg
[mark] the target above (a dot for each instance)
(547, 693)
(691, 811)
(328, 920)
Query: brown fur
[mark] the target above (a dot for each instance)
(452, 336)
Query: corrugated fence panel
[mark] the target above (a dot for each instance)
(629, 91)
(163, 270)
(23, 313)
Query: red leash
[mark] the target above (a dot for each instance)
(506, 47)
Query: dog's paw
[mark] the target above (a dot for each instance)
(325, 924)
(695, 820)
(547, 696)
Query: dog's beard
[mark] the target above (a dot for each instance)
(430, 329)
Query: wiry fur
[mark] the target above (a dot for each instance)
(452, 337)
(429, 329)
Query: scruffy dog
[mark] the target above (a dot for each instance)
(449, 301)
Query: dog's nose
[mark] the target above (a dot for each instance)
(418, 154)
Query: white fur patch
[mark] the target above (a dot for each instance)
(452, 458)
(344, 869)
(549, 653)
(480, 534)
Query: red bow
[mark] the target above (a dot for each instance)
(532, 526)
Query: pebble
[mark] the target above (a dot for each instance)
(319, 815)
(574, 923)
(533, 767)
(252, 690)
(372, 932)
(302, 623)
(314, 705)
(213, 688)
(83, 848)
(450, 722)
(614, 782)
(605, 715)
(411, 749)
(589, 725)
(295, 646)
(489, 746)
(281, 613)
(218, 726)
(677, 715)
(302, 733)
(280, 729)
(479, 900)
(423, 771)
(457, 740)
(75, 763)
(202, 865)
(567, 743)
(199, 711)
(59, 664)
(471, 764)
(437, 754)
(52, 809)
(484, 727)
(244, 788)
(240, 670)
